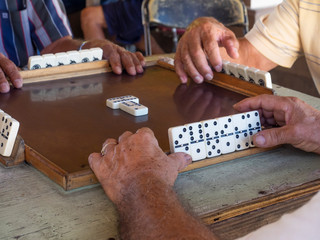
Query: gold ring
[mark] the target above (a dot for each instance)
(104, 148)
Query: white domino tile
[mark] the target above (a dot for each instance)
(65, 58)
(49, 60)
(197, 143)
(225, 67)
(241, 132)
(36, 62)
(233, 69)
(211, 136)
(242, 72)
(246, 73)
(263, 78)
(8, 133)
(168, 60)
(252, 75)
(114, 103)
(227, 141)
(253, 125)
(133, 108)
(179, 139)
(74, 57)
(97, 54)
(85, 56)
(62, 59)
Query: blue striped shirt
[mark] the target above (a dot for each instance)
(28, 26)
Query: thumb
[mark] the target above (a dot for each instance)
(272, 137)
(181, 159)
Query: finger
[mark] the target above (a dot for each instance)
(145, 130)
(127, 62)
(95, 161)
(211, 46)
(189, 67)
(4, 85)
(198, 55)
(266, 102)
(181, 160)
(178, 66)
(231, 44)
(10, 70)
(140, 58)
(124, 136)
(115, 61)
(273, 137)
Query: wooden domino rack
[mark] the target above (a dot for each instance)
(69, 178)
(50, 109)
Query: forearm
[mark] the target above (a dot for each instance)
(151, 210)
(249, 56)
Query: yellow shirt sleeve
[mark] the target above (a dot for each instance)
(277, 35)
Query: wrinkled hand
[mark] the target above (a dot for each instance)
(130, 157)
(200, 42)
(299, 123)
(8, 70)
(118, 57)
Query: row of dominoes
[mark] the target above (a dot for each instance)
(9, 130)
(129, 104)
(64, 58)
(210, 138)
(250, 74)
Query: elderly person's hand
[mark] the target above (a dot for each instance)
(132, 158)
(119, 57)
(200, 44)
(299, 123)
(8, 72)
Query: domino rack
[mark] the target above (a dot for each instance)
(22, 151)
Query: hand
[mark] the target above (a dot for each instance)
(8, 70)
(117, 56)
(202, 40)
(131, 157)
(299, 123)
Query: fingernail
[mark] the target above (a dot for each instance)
(139, 69)
(143, 63)
(198, 79)
(118, 70)
(183, 79)
(209, 76)
(17, 83)
(4, 87)
(187, 157)
(260, 140)
(218, 68)
(132, 70)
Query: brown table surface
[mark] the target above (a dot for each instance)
(66, 120)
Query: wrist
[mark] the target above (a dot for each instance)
(137, 187)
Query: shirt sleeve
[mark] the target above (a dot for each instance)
(301, 224)
(277, 35)
(48, 22)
